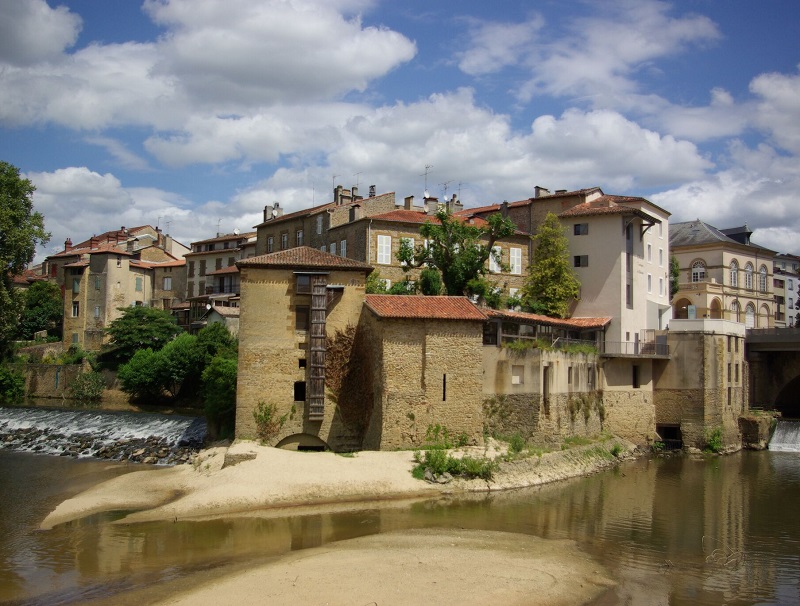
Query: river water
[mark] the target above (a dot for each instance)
(682, 530)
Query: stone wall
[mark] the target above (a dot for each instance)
(629, 409)
(50, 380)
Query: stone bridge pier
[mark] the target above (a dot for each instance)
(774, 362)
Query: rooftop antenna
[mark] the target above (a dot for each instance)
(158, 221)
(444, 187)
(334, 181)
(356, 176)
(218, 222)
(428, 168)
(459, 188)
(168, 222)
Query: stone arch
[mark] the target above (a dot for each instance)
(682, 309)
(734, 275)
(763, 316)
(698, 271)
(715, 309)
(762, 278)
(736, 311)
(750, 316)
(302, 441)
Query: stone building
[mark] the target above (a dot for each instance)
(786, 286)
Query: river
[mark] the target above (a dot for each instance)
(681, 530)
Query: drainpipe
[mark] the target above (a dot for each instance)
(369, 242)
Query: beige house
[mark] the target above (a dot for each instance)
(786, 286)
(722, 275)
(117, 269)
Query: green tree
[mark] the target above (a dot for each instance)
(21, 229)
(44, 310)
(12, 385)
(143, 375)
(139, 328)
(674, 276)
(219, 394)
(551, 284)
(457, 249)
(375, 285)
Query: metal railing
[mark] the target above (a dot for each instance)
(633, 348)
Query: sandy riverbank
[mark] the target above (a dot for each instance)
(246, 477)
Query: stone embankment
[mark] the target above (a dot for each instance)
(152, 450)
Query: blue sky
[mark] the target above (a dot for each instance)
(195, 114)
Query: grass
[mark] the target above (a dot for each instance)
(439, 462)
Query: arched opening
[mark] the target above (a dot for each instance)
(681, 309)
(750, 316)
(734, 274)
(715, 310)
(748, 276)
(698, 271)
(735, 311)
(787, 401)
(302, 441)
(763, 317)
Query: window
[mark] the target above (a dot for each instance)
(76, 285)
(202, 268)
(299, 391)
(190, 273)
(748, 276)
(319, 225)
(97, 282)
(661, 287)
(698, 271)
(76, 309)
(790, 285)
(167, 283)
(791, 303)
(333, 248)
(649, 253)
(736, 373)
(410, 243)
(494, 266)
(323, 248)
(303, 284)
(284, 240)
(343, 248)
(580, 229)
(301, 317)
(661, 257)
(660, 230)
(649, 283)
(635, 377)
(444, 388)
(218, 263)
(762, 279)
(231, 261)
(270, 244)
(298, 237)
(119, 260)
(139, 284)
(384, 250)
(734, 274)
(569, 376)
(735, 310)
(515, 260)
(517, 374)
(580, 261)
(512, 292)
(301, 363)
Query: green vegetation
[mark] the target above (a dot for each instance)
(674, 276)
(515, 444)
(87, 388)
(616, 449)
(268, 423)
(44, 310)
(219, 395)
(438, 461)
(551, 284)
(658, 447)
(21, 230)
(713, 439)
(12, 385)
(140, 328)
(458, 251)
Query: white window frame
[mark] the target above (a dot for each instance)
(332, 248)
(343, 248)
(167, 283)
(494, 266)
(698, 271)
(384, 250)
(762, 279)
(515, 260)
(661, 287)
(734, 274)
(748, 276)
(649, 253)
(661, 257)
(319, 225)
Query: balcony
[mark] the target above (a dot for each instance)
(635, 349)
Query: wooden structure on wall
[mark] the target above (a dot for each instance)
(319, 305)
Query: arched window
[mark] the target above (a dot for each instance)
(762, 279)
(750, 316)
(715, 309)
(734, 274)
(748, 276)
(735, 311)
(681, 309)
(698, 271)
(763, 318)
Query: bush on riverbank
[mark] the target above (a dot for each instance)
(12, 385)
(437, 462)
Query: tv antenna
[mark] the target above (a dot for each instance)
(356, 176)
(218, 222)
(334, 181)
(428, 168)
(158, 221)
(168, 222)
(444, 187)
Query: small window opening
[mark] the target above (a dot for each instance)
(635, 378)
(299, 391)
(444, 387)
(301, 363)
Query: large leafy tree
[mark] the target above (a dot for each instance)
(457, 249)
(141, 328)
(551, 284)
(21, 229)
(44, 309)
(674, 276)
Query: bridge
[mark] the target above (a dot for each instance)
(773, 355)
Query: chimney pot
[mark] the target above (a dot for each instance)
(371, 191)
(68, 245)
(408, 203)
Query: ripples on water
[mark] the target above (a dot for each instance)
(676, 531)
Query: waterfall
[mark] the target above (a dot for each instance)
(786, 437)
(150, 438)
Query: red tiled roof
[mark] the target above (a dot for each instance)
(304, 257)
(226, 312)
(518, 203)
(606, 205)
(223, 238)
(507, 314)
(225, 270)
(79, 263)
(421, 307)
(416, 217)
(76, 251)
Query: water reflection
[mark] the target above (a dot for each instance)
(676, 531)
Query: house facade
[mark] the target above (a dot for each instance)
(722, 275)
(786, 286)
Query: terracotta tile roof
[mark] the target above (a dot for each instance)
(223, 238)
(496, 207)
(225, 270)
(420, 218)
(608, 205)
(300, 213)
(519, 316)
(80, 263)
(76, 251)
(304, 257)
(421, 307)
(226, 312)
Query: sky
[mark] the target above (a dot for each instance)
(193, 115)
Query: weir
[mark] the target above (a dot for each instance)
(786, 437)
(146, 437)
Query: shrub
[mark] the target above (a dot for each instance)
(714, 440)
(439, 462)
(12, 386)
(142, 376)
(268, 423)
(616, 449)
(219, 395)
(516, 443)
(87, 387)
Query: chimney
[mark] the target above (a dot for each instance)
(504, 209)
(355, 212)
(539, 192)
(337, 195)
(354, 192)
(92, 242)
(68, 245)
(408, 203)
(457, 205)
(371, 191)
(431, 205)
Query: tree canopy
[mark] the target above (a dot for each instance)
(21, 229)
(551, 284)
(141, 328)
(457, 249)
(44, 310)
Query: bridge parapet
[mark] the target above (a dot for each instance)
(773, 339)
